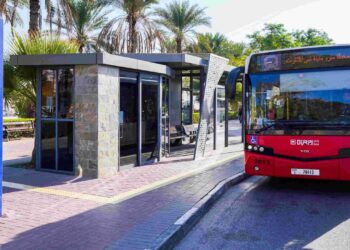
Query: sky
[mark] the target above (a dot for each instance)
(237, 18)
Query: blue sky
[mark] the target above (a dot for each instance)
(237, 18)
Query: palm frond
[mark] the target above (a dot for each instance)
(180, 19)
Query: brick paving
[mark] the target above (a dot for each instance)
(39, 220)
(124, 181)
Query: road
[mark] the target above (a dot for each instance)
(265, 213)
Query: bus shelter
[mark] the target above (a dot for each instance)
(97, 114)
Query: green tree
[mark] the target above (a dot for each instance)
(19, 82)
(180, 19)
(209, 43)
(273, 36)
(240, 53)
(276, 36)
(87, 18)
(168, 46)
(222, 46)
(132, 31)
(311, 37)
(62, 9)
(8, 8)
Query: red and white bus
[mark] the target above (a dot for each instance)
(296, 112)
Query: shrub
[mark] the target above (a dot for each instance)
(9, 120)
(232, 115)
(195, 117)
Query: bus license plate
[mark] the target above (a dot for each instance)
(299, 171)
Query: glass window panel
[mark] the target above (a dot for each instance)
(127, 76)
(186, 107)
(300, 102)
(165, 116)
(196, 71)
(196, 94)
(149, 78)
(65, 146)
(165, 95)
(48, 94)
(186, 82)
(220, 117)
(149, 121)
(65, 93)
(48, 145)
(128, 119)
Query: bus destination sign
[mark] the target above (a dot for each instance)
(314, 58)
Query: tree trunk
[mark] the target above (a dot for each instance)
(132, 43)
(134, 37)
(34, 16)
(178, 45)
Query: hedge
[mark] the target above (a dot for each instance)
(9, 120)
(231, 116)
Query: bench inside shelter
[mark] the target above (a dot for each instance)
(180, 132)
(13, 129)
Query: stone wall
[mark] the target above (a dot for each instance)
(108, 120)
(96, 94)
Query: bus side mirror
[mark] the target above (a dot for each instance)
(231, 82)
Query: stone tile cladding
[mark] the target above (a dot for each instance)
(96, 120)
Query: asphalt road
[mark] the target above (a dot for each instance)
(264, 213)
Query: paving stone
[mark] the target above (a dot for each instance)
(47, 221)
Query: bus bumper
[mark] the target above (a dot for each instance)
(334, 169)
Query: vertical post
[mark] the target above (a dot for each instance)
(226, 120)
(159, 117)
(169, 105)
(191, 97)
(56, 117)
(1, 94)
(139, 121)
(38, 120)
(215, 116)
(243, 107)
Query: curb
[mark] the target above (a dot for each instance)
(176, 232)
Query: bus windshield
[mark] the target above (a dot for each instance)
(298, 102)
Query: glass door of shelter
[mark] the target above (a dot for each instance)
(150, 120)
(128, 118)
(220, 117)
(139, 118)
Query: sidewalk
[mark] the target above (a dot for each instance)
(17, 152)
(127, 211)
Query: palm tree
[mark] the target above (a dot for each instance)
(8, 8)
(209, 43)
(87, 17)
(34, 17)
(180, 18)
(132, 31)
(62, 9)
(20, 82)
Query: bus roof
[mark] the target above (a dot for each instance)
(300, 48)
